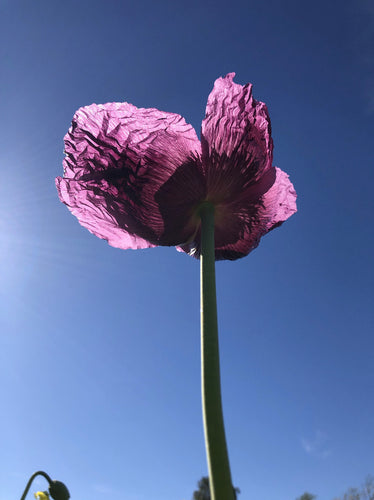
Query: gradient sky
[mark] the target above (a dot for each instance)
(99, 347)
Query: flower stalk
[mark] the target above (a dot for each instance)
(38, 473)
(215, 441)
(57, 489)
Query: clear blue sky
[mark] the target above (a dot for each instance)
(99, 352)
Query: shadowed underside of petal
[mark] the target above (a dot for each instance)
(94, 212)
(236, 139)
(240, 225)
(178, 200)
(117, 158)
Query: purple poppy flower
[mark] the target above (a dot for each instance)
(137, 177)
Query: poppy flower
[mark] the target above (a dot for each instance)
(138, 177)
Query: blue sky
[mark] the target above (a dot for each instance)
(99, 348)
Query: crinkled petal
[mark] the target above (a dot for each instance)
(240, 226)
(95, 212)
(237, 147)
(118, 160)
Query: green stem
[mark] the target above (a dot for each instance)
(215, 441)
(39, 473)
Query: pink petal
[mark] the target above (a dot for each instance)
(90, 209)
(240, 226)
(118, 159)
(236, 139)
(250, 196)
